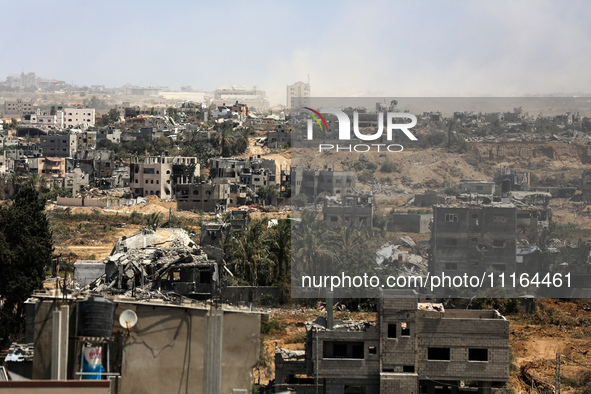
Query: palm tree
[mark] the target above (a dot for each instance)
(280, 247)
(315, 246)
(248, 251)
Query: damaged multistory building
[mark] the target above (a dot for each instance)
(357, 210)
(145, 265)
(474, 237)
(313, 182)
(253, 172)
(509, 179)
(159, 175)
(470, 238)
(413, 347)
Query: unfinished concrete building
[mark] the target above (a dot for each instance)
(356, 210)
(230, 170)
(477, 186)
(412, 348)
(206, 197)
(313, 182)
(409, 222)
(159, 175)
(280, 136)
(509, 179)
(427, 199)
(59, 145)
(471, 238)
(533, 211)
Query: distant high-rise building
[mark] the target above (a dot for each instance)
(298, 95)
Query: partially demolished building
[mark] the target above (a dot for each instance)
(142, 267)
(412, 348)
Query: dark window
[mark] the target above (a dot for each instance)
(498, 243)
(408, 368)
(358, 351)
(477, 354)
(387, 369)
(451, 217)
(404, 330)
(205, 277)
(353, 350)
(339, 350)
(391, 330)
(438, 353)
(451, 242)
(372, 350)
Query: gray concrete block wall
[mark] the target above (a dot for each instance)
(459, 335)
(399, 383)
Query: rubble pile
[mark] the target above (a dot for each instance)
(156, 272)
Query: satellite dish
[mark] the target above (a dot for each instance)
(128, 319)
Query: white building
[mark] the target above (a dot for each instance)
(74, 117)
(298, 95)
(40, 118)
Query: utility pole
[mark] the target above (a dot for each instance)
(557, 382)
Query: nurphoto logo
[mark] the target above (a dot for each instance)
(345, 130)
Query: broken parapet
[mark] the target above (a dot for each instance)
(158, 272)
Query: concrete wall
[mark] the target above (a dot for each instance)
(164, 352)
(399, 383)
(409, 222)
(481, 237)
(236, 294)
(83, 202)
(460, 335)
(86, 271)
(345, 369)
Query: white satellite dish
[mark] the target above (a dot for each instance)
(127, 319)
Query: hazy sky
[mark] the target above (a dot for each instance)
(423, 48)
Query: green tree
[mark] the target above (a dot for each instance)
(25, 252)
(266, 192)
(248, 253)
(280, 247)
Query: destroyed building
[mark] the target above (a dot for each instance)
(427, 199)
(159, 175)
(477, 186)
(149, 265)
(357, 210)
(252, 173)
(509, 179)
(280, 136)
(409, 222)
(412, 348)
(312, 182)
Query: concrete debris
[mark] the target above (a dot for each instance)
(339, 325)
(181, 268)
